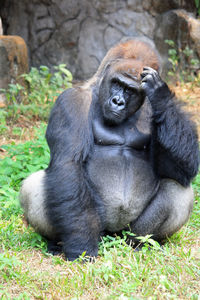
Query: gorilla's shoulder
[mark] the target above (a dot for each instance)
(70, 111)
(75, 98)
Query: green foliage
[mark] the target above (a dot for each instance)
(119, 244)
(35, 100)
(110, 242)
(13, 92)
(45, 86)
(42, 85)
(3, 124)
(184, 65)
(197, 3)
(173, 57)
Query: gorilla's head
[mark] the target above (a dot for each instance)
(120, 97)
(118, 75)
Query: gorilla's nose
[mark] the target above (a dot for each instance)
(117, 103)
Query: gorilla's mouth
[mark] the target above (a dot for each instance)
(118, 115)
(115, 118)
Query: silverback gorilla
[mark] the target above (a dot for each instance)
(123, 153)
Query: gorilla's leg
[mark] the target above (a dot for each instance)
(54, 247)
(32, 197)
(166, 213)
(76, 227)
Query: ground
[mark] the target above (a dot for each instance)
(190, 94)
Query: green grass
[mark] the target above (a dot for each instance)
(27, 271)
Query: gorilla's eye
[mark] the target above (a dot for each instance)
(116, 85)
(127, 90)
(130, 91)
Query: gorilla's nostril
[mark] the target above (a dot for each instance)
(121, 103)
(118, 102)
(115, 100)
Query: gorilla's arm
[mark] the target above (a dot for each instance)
(69, 198)
(174, 147)
(68, 134)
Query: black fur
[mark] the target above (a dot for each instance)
(174, 144)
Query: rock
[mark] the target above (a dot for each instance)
(79, 32)
(13, 60)
(194, 29)
(182, 28)
(91, 48)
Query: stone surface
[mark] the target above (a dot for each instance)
(181, 27)
(194, 29)
(79, 32)
(13, 60)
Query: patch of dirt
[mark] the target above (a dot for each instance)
(27, 133)
(190, 95)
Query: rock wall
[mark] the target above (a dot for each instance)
(79, 32)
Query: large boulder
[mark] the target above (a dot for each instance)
(181, 27)
(13, 61)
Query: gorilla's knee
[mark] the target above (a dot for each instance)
(32, 200)
(180, 200)
(167, 212)
(32, 190)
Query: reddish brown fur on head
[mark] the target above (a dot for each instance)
(130, 56)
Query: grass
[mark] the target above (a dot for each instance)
(27, 271)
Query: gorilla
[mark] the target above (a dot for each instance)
(122, 155)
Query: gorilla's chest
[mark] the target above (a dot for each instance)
(119, 168)
(124, 181)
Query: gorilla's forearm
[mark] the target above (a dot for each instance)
(175, 144)
(69, 193)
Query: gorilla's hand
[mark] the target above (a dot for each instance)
(152, 84)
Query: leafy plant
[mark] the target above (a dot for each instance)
(35, 100)
(13, 92)
(42, 85)
(197, 4)
(173, 57)
(45, 86)
(3, 124)
(109, 242)
(184, 65)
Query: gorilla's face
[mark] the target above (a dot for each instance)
(120, 97)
